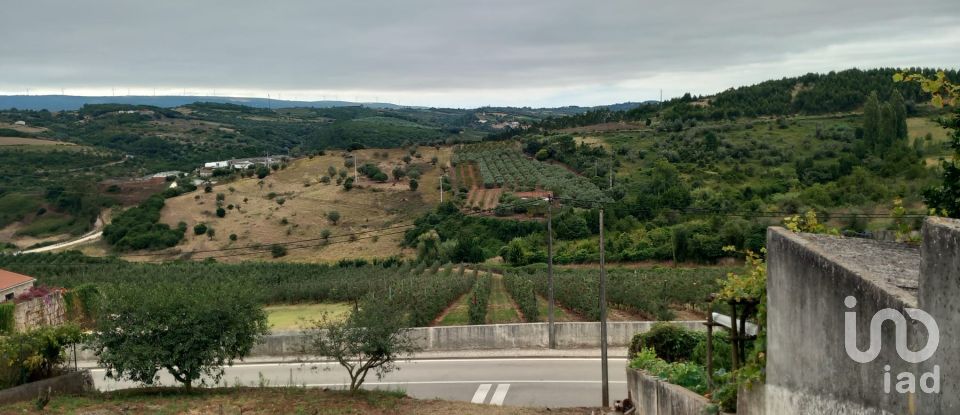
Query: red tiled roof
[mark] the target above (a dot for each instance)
(12, 279)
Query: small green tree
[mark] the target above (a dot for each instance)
(348, 183)
(398, 173)
(333, 216)
(221, 212)
(278, 251)
(192, 331)
(373, 337)
(414, 184)
(325, 234)
(199, 229)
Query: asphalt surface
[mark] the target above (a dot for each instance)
(539, 382)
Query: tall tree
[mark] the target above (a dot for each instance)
(871, 121)
(888, 128)
(900, 112)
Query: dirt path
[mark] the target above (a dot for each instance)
(456, 311)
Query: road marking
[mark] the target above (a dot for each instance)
(500, 394)
(478, 360)
(458, 382)
(481, 394)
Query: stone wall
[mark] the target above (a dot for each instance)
(41, 311)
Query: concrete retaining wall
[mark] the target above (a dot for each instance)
(72, 383)
(652, 396)
(570, 335)
(808, 279)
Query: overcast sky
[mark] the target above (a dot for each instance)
(458, 53)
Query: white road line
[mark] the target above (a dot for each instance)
(500, 394)
(458, 382)
(481, 394)
(479, 360)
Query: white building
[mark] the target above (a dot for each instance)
(217, 164)
(20, 123)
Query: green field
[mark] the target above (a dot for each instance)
(294, 316)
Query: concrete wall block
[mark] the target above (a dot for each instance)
(73, 383)
(806, 289)
(938, 295)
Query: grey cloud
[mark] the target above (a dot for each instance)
(429, 46)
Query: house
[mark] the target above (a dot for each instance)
(241, 165)
(13, 284)
(216, 164)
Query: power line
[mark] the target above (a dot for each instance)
(768, 214)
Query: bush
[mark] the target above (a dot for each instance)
(7, 317)
(139, 228)
(278, 251)
(673, 343)
(333, 216)
(199, 229)
(221, 212)
(689, 375)
(36, 354)
(722, 349)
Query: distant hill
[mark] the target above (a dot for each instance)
(72, 102)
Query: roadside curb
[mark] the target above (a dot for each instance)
(614, 353)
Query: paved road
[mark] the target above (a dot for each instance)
(93, 235)
(554, 382)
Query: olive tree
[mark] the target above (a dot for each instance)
(190, 330)
(372, 337)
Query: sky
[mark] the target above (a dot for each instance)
(454, 53)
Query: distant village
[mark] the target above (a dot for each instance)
(207, 170)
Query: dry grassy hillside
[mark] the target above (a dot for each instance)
(258, 217)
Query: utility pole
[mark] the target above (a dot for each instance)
(441, 189)
(356, 178)
(550, 298)
(603, 322)
(611, 173)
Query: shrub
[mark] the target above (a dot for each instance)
(139, 228)
(673, 343)
(278, 251)
(233, 237)
(221, 212)
(199, 229)
(333, 216)
(36, 354)
(7, 317)
(689, 375)
(722, 349)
